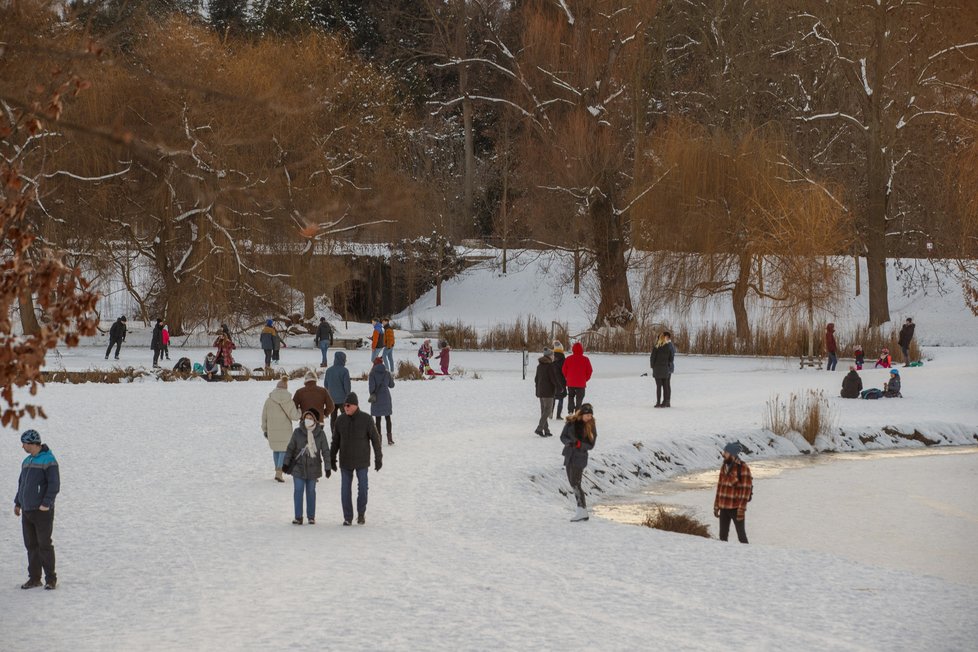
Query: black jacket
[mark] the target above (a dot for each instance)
(852, 385)
(662, 360)
(559, 368)
(324, 333)
(906, 334)
(546, 380)
(298, 463)
(576, 444)
(118, 331)
(352, 438)
(157, 344)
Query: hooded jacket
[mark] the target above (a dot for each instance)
(297, 459)
(830, 338)
(118, 331)
(277, 418)
(268, 337)
(852, 384)
(353, 437)
(546, 380)
(337, 379)
(157, 342)
(577, 367)
(662, 360)
(379, 383)
(39, 482)
(313, 396)
(576, 443)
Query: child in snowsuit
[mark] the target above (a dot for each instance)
(860, 357)
(424, 358)
(443, 356)
(891, 388)
(884, 360)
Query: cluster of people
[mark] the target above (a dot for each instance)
(885, 360)
(382, 342)
(852, 386)
(426, 354)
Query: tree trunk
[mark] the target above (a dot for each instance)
(615, 304)
(577, 272)
(739, 296)
(877, 183)
(28, 318)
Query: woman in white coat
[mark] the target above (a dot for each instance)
(276, 422)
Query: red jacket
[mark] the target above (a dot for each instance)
(830, 338)
(577, 367)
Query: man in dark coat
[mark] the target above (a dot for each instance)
(906, 336)
(353, 437)
(546, 383)
(37, 488)
(157, 343)
(852, 384)
(117, 335)
(311, 395)
(324, 338)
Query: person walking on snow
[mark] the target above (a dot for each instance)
(561, 392)
(37, 488)
(577, 371)
(337, 383)
(830, 347)
(662, 362)
(267, 339)
(444, 354)
(852, 384)
(304, 459)
(545, 383)
(578, 436)
(157, 343)
(388, 345)
(735, 488)
(424, 358)
(906, 336)
(277, 417)
(117, 335)
(311, 395)
(379, 384)
(376, 339)
(353, 437)
(324, 340)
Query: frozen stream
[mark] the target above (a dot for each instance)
(914, 510)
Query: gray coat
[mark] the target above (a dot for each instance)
(352, 438)
(662, 360)
(296, 456)
(573, 434)
(379, 383)
(337, 379)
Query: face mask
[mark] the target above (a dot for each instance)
(310, 424)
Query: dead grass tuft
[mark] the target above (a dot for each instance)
(680, 522)
(407, 371)
(810, 415)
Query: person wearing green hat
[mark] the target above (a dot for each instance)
(37, 488)
(735, 488)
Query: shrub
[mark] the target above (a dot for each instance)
(458, 335)
(681, 522)
(810, 415)
(407, 371)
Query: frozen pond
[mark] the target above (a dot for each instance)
(914, 510)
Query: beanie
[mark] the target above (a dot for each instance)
(313, 411)
(351, 399)
(548, 352)
(30, 437)
(283, 382)
(733, 448)
(557, 346)
(311, 376)
(269, 322)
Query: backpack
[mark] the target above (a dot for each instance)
(872, 392)
(198, 368)
(183, 364)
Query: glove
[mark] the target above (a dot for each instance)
(328, 473)
(332, 465)
(716, 512)
(378, 465)
(266, 435)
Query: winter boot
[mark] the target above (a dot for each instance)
(31, 584)
(360, 519)
(580, 515)
(297, 520)
(278, 475)
(390, 439)
(51, 584)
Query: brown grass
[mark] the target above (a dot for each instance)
(810, 415)
(676, 521)
(407, 371)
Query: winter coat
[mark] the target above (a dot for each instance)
(830, 338)
(388, 337)
(852, 384)
(424, 355)
(267, 338)
(157, 343)
(906, 334)
(337, 379)
(546, 380)
(577, 367)
(211, 366)
(313, 396)
(559, 369)
(166, 336)
(353, 436)
(860, 358)
(39, 482)
(379, 383)
(297, 459)
(277, 418)
(118, 331)
(377, 337)
(224, 347)
(885, 361)
(576, 444)
(891, 387)
(443, 357)
(662, 360)
(735, 487)
(324, 333)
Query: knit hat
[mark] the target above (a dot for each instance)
(269, 322)
(557, 346)
(351, 399)
(30, 437)
(586, 409)
(548, 352)
(852, 367)
(283, 383)
(310, 377)
(313, 411)
(123, 318)
(733, 449)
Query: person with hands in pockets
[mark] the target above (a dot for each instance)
(578, 437)
(353, 436)
(276, 422)
(37, 487)
(735, 488)
(304, 460)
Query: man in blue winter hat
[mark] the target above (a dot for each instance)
(37, 488)
(735, 488)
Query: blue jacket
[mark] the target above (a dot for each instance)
(337, 379)
(39, 481)
(379, 383)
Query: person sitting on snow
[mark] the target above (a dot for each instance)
(884, 360)
(212, 370)
(891, 388)
(852, 384)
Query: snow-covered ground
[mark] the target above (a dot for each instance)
(171, 533)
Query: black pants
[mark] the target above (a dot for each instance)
(377, 421)
(574, 476)
(156, 356)
(166, 351)
(727, 515)
(38, 527)
(906, 353)
(559, 401)
(117, 344)
(663, 390)
(268, 357)
(575, 398)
